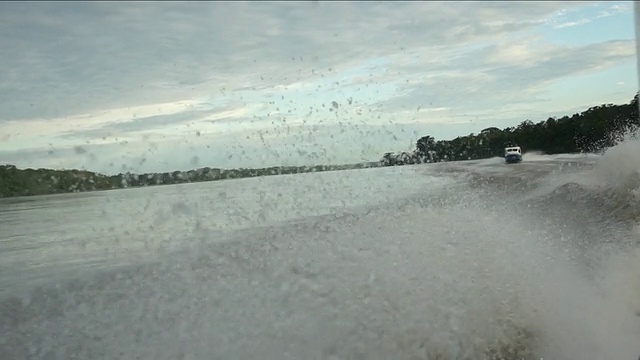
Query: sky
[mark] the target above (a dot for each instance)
(152, 87)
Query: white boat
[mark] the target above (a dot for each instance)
(512, 154)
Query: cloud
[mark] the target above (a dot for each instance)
(78, 57)
(518, 70)
(101, 75)
(561, 21)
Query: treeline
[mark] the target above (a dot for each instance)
(26, 182)
(592, 130)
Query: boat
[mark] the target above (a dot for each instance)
(512, 154)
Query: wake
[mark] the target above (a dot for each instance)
(538, 260)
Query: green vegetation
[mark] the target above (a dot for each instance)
(592, 130)
(18, 182)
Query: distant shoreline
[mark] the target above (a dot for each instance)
(592, 130)
(16, 182)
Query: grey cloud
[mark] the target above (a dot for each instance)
(139, 124)
(74, 57)
(521, 83)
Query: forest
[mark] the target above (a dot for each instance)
(593, 130)
(26, 182)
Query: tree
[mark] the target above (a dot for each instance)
(596, 128)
